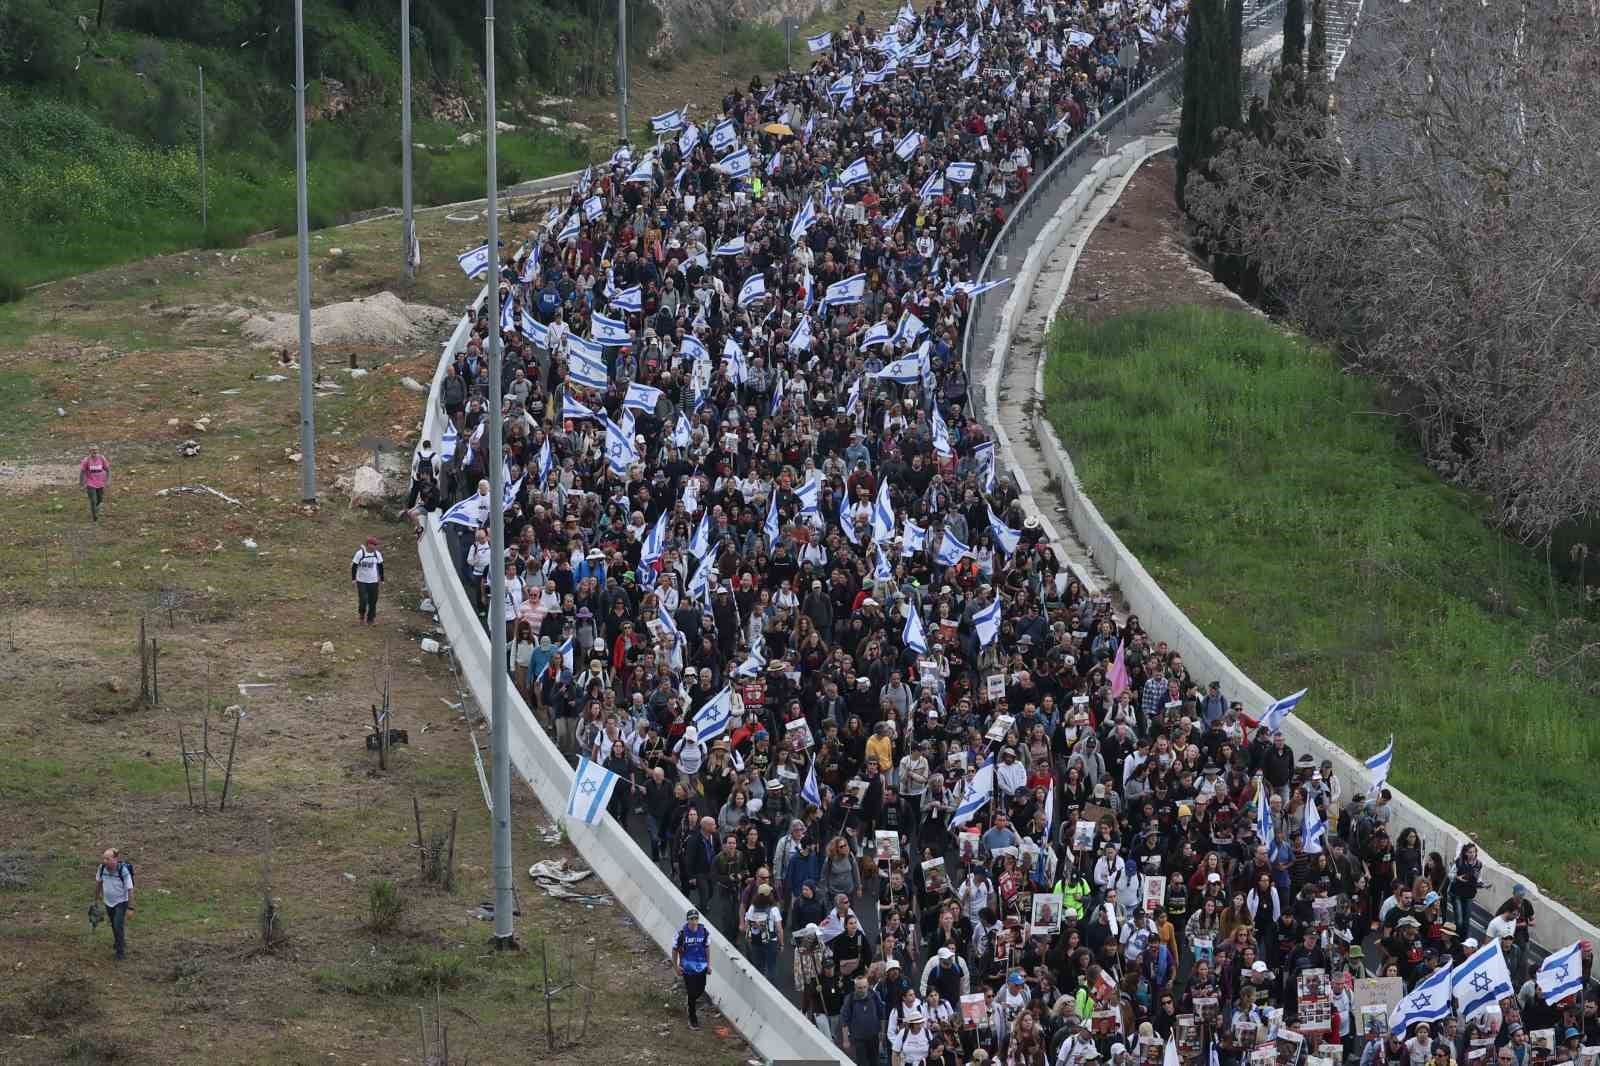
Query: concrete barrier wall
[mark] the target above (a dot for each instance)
(772, 1024)
(1557, 925)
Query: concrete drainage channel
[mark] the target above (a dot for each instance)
(1028, 446)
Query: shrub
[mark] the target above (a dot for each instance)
(386, 904)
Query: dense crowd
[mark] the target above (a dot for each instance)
(761, 564)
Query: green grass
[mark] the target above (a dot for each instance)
(1292, 519)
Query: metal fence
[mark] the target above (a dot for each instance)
(1045, 194)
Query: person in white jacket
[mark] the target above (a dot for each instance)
(911, 1043)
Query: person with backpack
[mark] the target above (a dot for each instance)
(113, 886)
(366, 570)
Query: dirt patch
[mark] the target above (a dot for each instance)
(1137, 260)
(380, 321)
(27, 477)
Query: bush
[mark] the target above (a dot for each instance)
(11, 290)
(386, 904)
(413, 972)
(58, 1003)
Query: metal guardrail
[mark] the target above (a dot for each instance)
(1045, 194)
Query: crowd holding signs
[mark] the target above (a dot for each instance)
(767, 586)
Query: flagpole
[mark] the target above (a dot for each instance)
(308, 428)
(499, 713)
(408, 223)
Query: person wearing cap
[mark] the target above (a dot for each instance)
(1519, 908)
(763, 929)
(691, 957)
(947, 974)
(366, 570)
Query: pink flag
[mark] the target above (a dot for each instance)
(1119, 673)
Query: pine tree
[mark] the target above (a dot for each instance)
(1212, 86)
(1317, 50)
(1234, 105)
(1294, 33)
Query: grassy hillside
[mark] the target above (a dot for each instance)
(1281, 508)
(99, 124)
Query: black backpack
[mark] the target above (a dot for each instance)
(122, 864)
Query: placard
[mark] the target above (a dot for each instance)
(934, 877)
(1096, 813)
(1153, 892)
(1288, 1045)
(1046, 915)
(1208, 1008)
(967, 843)
(754, 692)
(798, 733)
(994, 689)
(1315, 1014)
(1373, 1017)
(886, 845)
(1000, 726)
(974, 1012)
(1264, 1055)
(1381, 992)
(1083, 834)
(1105, 1022)
(1186, 1029)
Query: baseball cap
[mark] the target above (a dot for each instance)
(692, 913)
(1015, 979)
(946, 954)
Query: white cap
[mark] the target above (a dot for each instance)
(691, 734)
(946, 954)
(1258, 967)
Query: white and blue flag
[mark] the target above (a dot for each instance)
(620, 453)
(612, 331)
(941, 433)
(932, 186)
(974, 288)
(692, 349)
(642, 397)
(847, 521)
(803, 219)
(711, 721)
(882, 514)
(631, 299)
(913, 538)
(1004, 536)
(809, 792)
(800, 339)
(951, 550)
(1313, 828)
(471, 512)
(961, 173)
(771, 526)
(547, 461)
(909, 328)
(878, 334)
(576, 411)
(736, 165)
(593, 208)
(913, 635)
(753, 289)
(733, 355)
(983, 460)
(682, 435)
(688, 139)
(820, 43)
(724, 135)
(1561, 973)
(1278, 710)
(855, 173)
(1483, 980)
(535, 330)
(777, 399)
(1378, 765)
(882, 572)
(475, 264)
(667, 121)
(908, 145)
(592, 786)
(569, 231)
(986, 622)
(977, 794)
(737, 246)
(906, 370)
(1428, 1002)
(700, 543)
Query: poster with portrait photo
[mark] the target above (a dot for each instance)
(799, 735)
(1046, 920)
(934, 876)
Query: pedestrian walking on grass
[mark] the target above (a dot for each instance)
(691, 955)
(366, 570)
(113, 886)
(94, 474)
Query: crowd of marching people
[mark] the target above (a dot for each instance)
(762, 566)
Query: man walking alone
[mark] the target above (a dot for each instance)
(691, 955)
(366, 570)
(113, 885)
(94, 474)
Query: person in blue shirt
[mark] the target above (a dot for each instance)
(691, 956)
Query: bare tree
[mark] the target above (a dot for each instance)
(1443, 228)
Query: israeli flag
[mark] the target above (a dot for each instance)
(774, 164)
(576, 411)
(681, 434)
(877, 334)
(666, 122)
(800, 339)
(987, 623)
(842, 86)
(591, 791)
(736, 246)
(904, 371)
(913, 539)
(507, 316)
(609, 330)
(1080, 38)
(724, 136)
(566, 653)
(692, 349)
(770, 526)
(753, 289)
(847, 521)
(908, 145)
(753, 663)
(511, 490)
(688, 139)
(974, 289)
(882, 572)
(593, 208)
(1313, 828)
(961, 173)
(777, 399)
(547, 462)
(475, 264)
(1281, 709)
(585, 369)
(736, 165)
(852, 402)
(951, 550)
(1379, 764)
(700, 543)
(803, 220)
(711, 721)
(1561, 974)
(922, 61)
(1428, 1002)
(941, 436)
(629, 300)
(820, 43)
(569, 232)
(855, 173)
(913, 635)
(642, 398)
(620, 453)
(977, 794)
(932, 187)
(1006, 537)
(889, 224)
(472, 512)
(535, 330)
(882, 514)
(733, 355)
(1482, 980)
(909, 329)
(699, 587)
(971, 70)
(809, 792)
(983, 459)
(530, 266)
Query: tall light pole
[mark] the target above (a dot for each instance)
(622, 67)
(202, 149)
(308, 428)
(408, 233)
(500, 733)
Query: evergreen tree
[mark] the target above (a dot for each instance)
(1294, 33)
(1212, 89)
(1317, 50)
(1235, 61)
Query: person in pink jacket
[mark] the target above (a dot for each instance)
(94, 474)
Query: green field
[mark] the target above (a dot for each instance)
(1288, 513)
